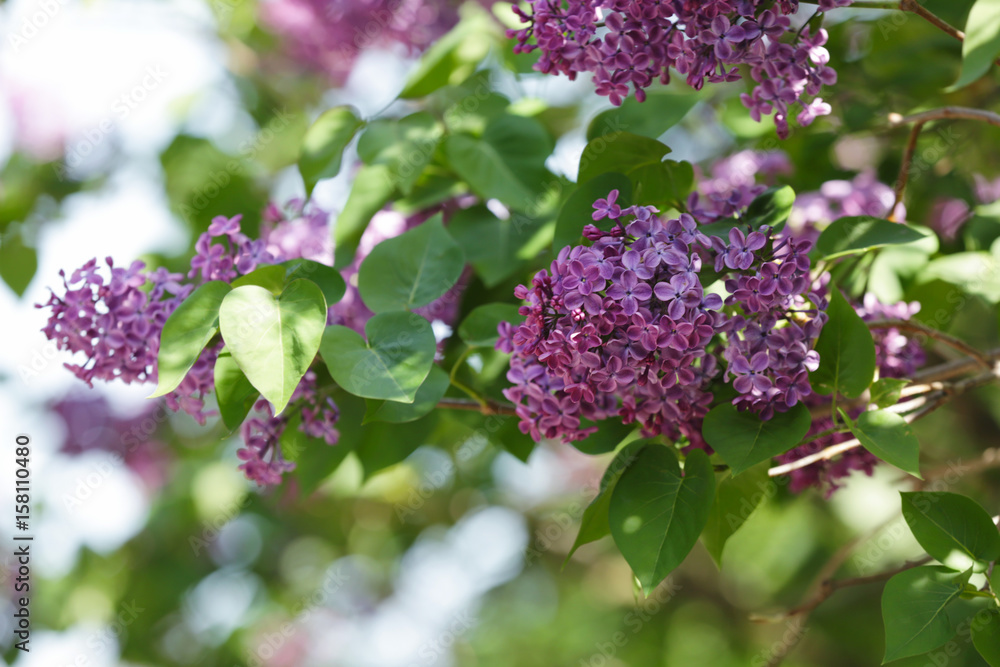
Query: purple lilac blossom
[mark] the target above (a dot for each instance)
(628, 44)
(624, 328)
(115, 323)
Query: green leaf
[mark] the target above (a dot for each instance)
(981, 45)
(405, 146)
(324, 144)
(233, 391)
(743, 439)
(660, 112)
(595, 523)
(578, 210)
(914, 610)
(274, 339)
(849, 236)
(455, 56)
(490, 244)
(391, 365)
(479, 328)
(666, 184)
(372, 189)
(18, 261)
(656, 514)
(771, 207)
(507, 163)
(276, 277)
(610, 436)
(736, 498)
(887, 391)
(986, 638)
(846, 351)
(889, 437)
(431, 391)
(952, 528)
(624, 153)
(977, 273)
(412, 269)
(327, 278)
(186, 333)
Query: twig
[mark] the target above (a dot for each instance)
(919, 119)
(929, 403)
(952, 369)
(947, 339)
(946, 113)
(933, 19)
(830, 586)
(904, 170)
(488, 407)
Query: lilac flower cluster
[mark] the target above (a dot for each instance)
(734, 181)
(628, 44)
(116, 325)
(625, 328)
(329, 35)
(115, 321)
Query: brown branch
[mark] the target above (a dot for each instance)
(830, 586)
(953, 369)
(904, 170)
(490, 408)
(947, 339)
(919, 119)
(933, 19)
(946, 113)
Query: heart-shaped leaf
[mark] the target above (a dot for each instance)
(276, 277)
(274, 339)
(657, 514)
(186, 333)
(391, 365)
(412, 269)
(848, 236)
(743, 439)
(430, 392)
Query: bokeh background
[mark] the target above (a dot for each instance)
(150, 546)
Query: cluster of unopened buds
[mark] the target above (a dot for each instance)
(629, 44)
